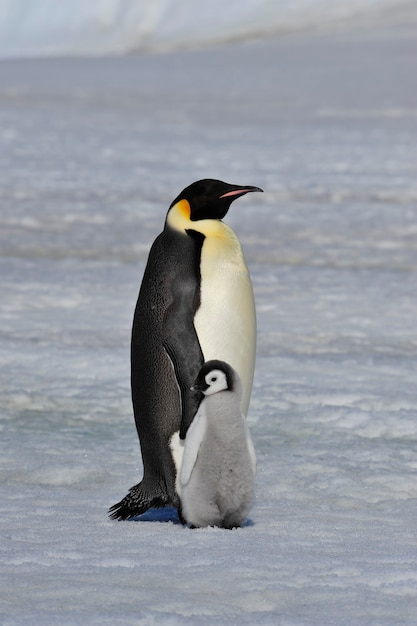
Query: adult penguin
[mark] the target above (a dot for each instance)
(195, 304)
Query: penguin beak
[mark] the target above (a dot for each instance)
(240, 191)
(197, 389)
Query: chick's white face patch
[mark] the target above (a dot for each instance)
(216, 381)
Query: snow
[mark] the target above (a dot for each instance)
(94, 150)
(74, 27)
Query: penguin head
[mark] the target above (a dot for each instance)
(215, 376)
(210, 198)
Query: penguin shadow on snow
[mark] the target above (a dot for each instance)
(167, 514)
(170, 514)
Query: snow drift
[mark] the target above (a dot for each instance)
(118, 26)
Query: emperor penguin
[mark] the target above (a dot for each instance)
(216, 468)
(195, 304)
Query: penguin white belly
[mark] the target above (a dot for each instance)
(226, 320)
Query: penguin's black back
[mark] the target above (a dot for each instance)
(165, 351)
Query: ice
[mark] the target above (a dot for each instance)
(93, 152)
(74, 27)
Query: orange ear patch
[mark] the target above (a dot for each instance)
(184, 208)
(179, 216)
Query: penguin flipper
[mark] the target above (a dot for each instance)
(136, 502)
(195, 436)
(186, 364)
(250, 445)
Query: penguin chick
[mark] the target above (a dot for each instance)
(216, 476)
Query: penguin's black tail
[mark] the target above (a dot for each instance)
(137, 501)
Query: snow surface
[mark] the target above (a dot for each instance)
(93, 151)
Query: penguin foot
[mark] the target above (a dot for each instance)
(136, 502)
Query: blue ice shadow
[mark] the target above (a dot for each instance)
(167, 514)
(248, 523)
